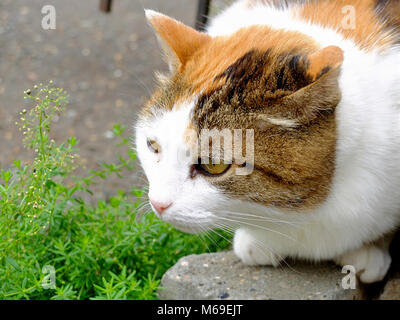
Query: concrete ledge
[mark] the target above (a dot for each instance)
(222, 276)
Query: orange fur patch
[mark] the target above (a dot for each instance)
(217, 55)
(369, 32)
(329, 57)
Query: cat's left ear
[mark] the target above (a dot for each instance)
(320, 96)
(323, 61)
(323, 94)
(178, 41)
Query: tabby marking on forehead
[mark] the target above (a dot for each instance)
(203, 72)
(292, 168)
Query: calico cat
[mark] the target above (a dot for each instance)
(317, 83)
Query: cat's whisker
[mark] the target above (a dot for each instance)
(143, 209)
(252, 217)
(204, 233)
(226, 228)
(260, 227)
(143, 198)
(142, 212)
(261, 219)
(144, 205)
(200, 236)
(259, 244)
(220, 235)
(262, 246)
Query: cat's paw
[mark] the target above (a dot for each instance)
(252, 252)
(371, 262)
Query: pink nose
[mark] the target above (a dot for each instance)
(160, 207)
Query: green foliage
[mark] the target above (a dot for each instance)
(98, 250)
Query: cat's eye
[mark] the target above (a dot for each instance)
(153, 146)
(213, 169)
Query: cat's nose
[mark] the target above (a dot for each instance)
(160, 207)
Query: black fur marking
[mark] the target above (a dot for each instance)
(323, 71)
(294, 63)
(273, 176)
(381, 5)
(253, 82)
(281, 82)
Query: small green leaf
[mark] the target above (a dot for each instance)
(115, 202)
(11, 261)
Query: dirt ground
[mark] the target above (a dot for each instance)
(105, 62)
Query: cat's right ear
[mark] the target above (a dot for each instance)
(178, 41)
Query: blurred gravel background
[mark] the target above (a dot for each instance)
(105, 62)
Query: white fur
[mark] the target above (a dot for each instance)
(287, 123)
(168, 172)
(364, 202)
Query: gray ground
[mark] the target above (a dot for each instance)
(106, 63)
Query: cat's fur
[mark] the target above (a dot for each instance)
(324, 104)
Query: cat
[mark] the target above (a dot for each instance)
(318, 85)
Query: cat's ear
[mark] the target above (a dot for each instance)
(322, 95)
(323, 61)
(179, 42)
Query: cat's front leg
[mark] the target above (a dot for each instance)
(371, 262)
(253, 251)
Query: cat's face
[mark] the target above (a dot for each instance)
(162, 149)
(272, 95)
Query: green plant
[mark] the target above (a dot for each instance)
(98, 251)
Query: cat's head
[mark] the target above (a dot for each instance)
(271, 94)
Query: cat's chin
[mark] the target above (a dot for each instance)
(189, 222)
(190, 228)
